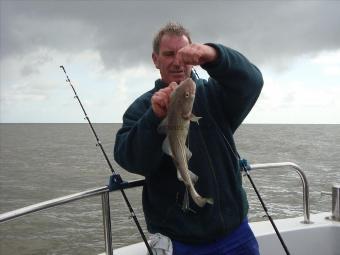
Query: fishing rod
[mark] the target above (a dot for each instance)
(245, 167)
(115, 177)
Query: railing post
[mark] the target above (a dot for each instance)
(107, 223)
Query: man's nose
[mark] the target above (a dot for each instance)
(176, 61)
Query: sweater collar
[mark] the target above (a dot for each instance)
(159, 84)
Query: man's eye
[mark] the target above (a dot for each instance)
(168, 54)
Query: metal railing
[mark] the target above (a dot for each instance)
(305, 186)
(104, 192)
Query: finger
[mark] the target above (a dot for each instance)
(158, 98)
(187, 56)
(166, 102)
(160, 101)
(180, 57)
(166, 90)
(173, 86)
(163, 94)
(158, 106)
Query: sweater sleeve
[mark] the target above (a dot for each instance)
(235, 84)
(138, 144)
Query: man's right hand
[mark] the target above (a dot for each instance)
(160, 100)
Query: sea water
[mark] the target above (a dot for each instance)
(44, 161)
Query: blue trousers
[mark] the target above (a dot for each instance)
(240, 242)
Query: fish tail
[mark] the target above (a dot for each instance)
(202, 201)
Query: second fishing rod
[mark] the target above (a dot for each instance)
(244, 167)
(132, 213)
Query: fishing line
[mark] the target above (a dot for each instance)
(245, 167)
(132, 213)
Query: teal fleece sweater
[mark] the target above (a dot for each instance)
(223, 102)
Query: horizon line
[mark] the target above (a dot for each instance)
(246, 123)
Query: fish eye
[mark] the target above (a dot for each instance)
(186, 94)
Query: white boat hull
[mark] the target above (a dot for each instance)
(320, 237)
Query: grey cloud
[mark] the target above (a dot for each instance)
(267, 32)
(27, 70)
(32, 66)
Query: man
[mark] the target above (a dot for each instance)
(222, 102)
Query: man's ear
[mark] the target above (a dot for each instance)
(155, 59)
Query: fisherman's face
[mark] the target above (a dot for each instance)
(167, 63)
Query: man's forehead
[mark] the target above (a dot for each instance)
(173, 42)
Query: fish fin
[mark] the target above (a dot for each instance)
(179, 176)
(193, 177)
(194, 118)
(185, 205)
(163, 127)
(186, 202)
(210, 200)
(166, 147)
(188, 153)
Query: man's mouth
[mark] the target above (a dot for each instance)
(177, 72)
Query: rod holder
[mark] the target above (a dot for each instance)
(335, 202)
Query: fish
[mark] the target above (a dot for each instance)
(176, 127)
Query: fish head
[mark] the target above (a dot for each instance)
(184, 94)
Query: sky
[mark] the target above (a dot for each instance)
(105, 47)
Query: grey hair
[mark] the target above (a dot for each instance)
(171, 28)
